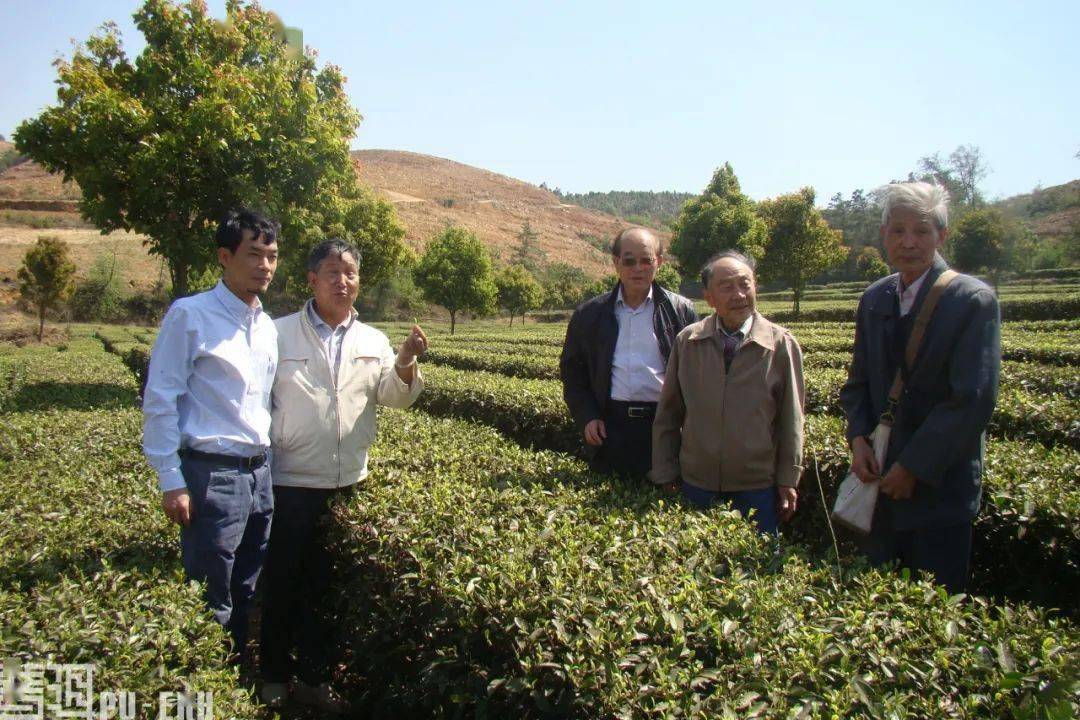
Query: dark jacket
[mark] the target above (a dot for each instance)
(585, 364)
(939, 433)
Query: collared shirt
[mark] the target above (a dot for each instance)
(744, 328)
(637, 368)
(331, 337)
(734, 340)
(209, 380)
(907, 295)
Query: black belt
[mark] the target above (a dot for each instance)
(243, 463)
(632, 409)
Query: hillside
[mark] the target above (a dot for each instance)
(645, 207)
(1051, 212)
(428, 192)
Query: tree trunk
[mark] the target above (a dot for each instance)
(178, 268)
(453, 318)
(797, 295)
(511, 318)
(41, 322)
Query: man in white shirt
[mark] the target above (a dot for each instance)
(615, 356)
(206, 427)
(333, 371)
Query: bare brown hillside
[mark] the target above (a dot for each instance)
(30, 181)
(430, 192)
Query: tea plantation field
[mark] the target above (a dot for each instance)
(484, 571)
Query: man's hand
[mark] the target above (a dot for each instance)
(863, 462)
(595, 432)
(787, 499)
(898, 483)
(413, 346)
(177, 505)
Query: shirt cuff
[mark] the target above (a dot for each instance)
(171, 480)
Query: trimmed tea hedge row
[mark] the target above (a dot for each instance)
(523, 364)
(481, 579)
(145, 632)
(1048, 418)
(89, 567)
(1054, 307)
(531, 412)
(1039, 378)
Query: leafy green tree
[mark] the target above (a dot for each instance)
(857, 217)
(46, 277)
(394, 297)
(960, 174)
(99, 297)
(669, 277)
(720, 218)
(563, 284)
(801, 244)
(455, 272)
(981, 241)
(599, 286)
(868, 264)
(519, 291)
(528, 254)
(210, 115)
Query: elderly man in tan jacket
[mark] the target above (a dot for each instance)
(729, 426)
(332, 372)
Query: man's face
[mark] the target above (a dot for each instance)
(910, 240)
(336, 283)
(638, 260)
(251, 267)
(732, 292)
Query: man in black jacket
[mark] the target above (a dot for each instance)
(615, 354)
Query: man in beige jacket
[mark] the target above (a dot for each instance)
(332, 372)
(729, 426)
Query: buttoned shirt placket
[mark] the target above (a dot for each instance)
(332, 340)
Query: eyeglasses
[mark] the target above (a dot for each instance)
(629, 262)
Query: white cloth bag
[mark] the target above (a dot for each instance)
(855, 500)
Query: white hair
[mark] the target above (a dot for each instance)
(922, 197)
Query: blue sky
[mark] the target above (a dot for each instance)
(624, 95)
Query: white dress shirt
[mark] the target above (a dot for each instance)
(909, 293)
(209, 380)
(637, 369)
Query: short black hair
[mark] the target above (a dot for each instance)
(706, 271)
(335, 247)
(616, 244)
(230, 232)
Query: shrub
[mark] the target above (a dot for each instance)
(480, 579)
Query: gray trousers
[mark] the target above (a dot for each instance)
(225, 545)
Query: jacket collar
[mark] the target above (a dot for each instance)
(761, 330)
(314, 319)
(658, 294)
(886, 302)
(936, 268)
